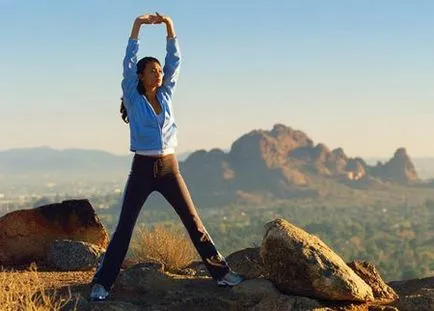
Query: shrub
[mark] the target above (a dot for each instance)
(167, 245)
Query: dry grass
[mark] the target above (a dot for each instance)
(167, 245)
(23, 291)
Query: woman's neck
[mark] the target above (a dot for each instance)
(150, 93)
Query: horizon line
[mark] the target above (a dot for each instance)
(226, 150)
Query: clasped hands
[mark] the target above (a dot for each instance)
(153, 19)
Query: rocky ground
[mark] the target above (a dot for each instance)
(291, 270)
(147, 287)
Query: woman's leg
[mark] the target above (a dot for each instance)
(172, 186)
(139, 185)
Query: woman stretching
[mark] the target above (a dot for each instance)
(147, 107)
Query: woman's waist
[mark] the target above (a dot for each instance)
(156, 153)
(151, 164)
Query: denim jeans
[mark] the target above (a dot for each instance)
(148, 174)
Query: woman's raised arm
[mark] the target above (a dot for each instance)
(130, 79)
(143, 19)
(169, 25)
(172, 61)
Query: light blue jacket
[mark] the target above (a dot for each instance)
(145, 132)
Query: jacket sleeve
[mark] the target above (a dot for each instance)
(130, 79)
(172, 64)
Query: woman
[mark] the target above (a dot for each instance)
(147, 107)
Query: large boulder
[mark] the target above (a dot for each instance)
(68, 255)
(26, 235)
(301, 264)
(367, 271)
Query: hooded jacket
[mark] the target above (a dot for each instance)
(145, 132)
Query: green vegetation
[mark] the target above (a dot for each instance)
(393, 229)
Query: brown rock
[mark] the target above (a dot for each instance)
(416, 294)
(25, 235)
(251, 292)
(382, 308)
(367, 271)
(68, 255)
(196, 268)
(413, 286)
(145, 277)
(288, 303)
(247, 262)
(114, 306)
(423, 301)
(77, 303)
(301, 264)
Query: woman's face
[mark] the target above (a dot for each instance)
(152, 75)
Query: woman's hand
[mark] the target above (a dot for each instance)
(139, 21)
(162, 19)
(148, 19)
(169, 24)
(152, 19)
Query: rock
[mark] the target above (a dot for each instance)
(68, 255)
(247, 262)
(196, 268)
(25, 235)
(301, 264)
(145, 277)
(411, 287)
(253, 291)
(77, 303)
(367, 271)
(261, 294)
(288, 303)
(423, 300)
(114, 306)
(382, 308)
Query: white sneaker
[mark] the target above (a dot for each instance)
(98, 293)
(230, 279)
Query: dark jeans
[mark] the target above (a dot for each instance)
(160, 174)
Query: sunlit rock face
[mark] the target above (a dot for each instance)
(26, 235)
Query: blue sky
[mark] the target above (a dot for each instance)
(350, 74)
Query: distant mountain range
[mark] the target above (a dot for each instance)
(281, 162)
(46, 159)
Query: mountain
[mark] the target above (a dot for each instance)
(285, 163)
(424, 166)
(278, 163)
(45, 159)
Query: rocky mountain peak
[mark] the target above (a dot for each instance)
(399, 168)
(269, 146)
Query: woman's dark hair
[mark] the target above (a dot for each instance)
(141, 64)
